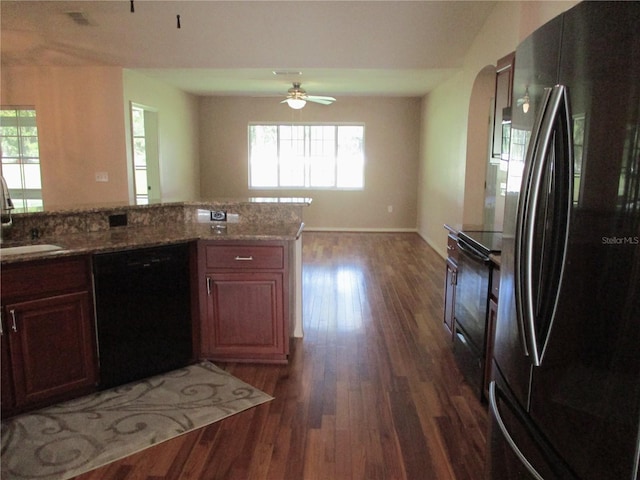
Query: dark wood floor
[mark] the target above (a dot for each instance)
(371, 392)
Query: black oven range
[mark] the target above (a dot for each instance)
(473, 287)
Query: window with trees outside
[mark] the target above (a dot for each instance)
(21, 157)
(139, 138)
(306, 156)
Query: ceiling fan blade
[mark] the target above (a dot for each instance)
(297, 93)
(322, 100)
(317, 97)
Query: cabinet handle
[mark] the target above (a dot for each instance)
(209, 286)
(244, 259)
(1, 327)
(14, 327)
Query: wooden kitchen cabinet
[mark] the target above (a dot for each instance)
(502, 111)
(49, 346)
(7, 400)
(244, 307)
(450, 284)
(492, 314)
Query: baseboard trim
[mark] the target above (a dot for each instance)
(360, 230)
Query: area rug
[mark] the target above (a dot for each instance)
(65, 440)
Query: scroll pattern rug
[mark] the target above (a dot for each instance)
(65, 440)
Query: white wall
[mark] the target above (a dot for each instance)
(392, 127)
(445, 112)
(177, 131)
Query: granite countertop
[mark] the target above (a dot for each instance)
(214, 202)
(124, 238)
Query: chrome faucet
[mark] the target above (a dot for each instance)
(6, 204)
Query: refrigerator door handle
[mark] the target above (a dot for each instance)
(521, 221)
(554, 112)
(493, 404)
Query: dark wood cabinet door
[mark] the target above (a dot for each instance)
(450, 297)
(6, 386)
(245, 317)
(450, 280)
(244, 301)
(51, 347)
(492, 314)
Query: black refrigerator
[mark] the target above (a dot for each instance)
(565, 391)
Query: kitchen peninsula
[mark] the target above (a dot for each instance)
(98, 229)
(237, 264)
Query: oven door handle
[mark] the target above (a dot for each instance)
(472, 252)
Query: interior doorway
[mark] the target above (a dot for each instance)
(484, 200)
(146, 155)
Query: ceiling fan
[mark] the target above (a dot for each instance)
(297, 97)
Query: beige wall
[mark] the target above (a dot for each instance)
(442, 167)
(392, 127)
(478, 148)
(177, 133)
(443, 190)
(80, 128)
(83, 128)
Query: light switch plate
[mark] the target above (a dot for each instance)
(102, 177)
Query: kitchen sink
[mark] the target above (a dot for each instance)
(24, 249)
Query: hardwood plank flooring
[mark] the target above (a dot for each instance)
(371, 392)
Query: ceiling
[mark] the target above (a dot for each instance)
(392, 48)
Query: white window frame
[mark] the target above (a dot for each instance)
(25, 191)
(307, 179)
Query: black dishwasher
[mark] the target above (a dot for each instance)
(143, 312)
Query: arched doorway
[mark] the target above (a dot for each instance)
(482, 190)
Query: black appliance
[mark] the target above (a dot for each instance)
(565, 399)
(473, 285)
(143, 312)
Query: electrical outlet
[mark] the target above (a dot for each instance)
(390, 208)
(218, 216)
(118, 220)
(102, 177)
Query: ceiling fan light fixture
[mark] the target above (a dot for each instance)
(297, 97)
(296, 103)
(525, 100)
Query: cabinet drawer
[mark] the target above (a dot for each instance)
(245, 256)
(45, 277)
